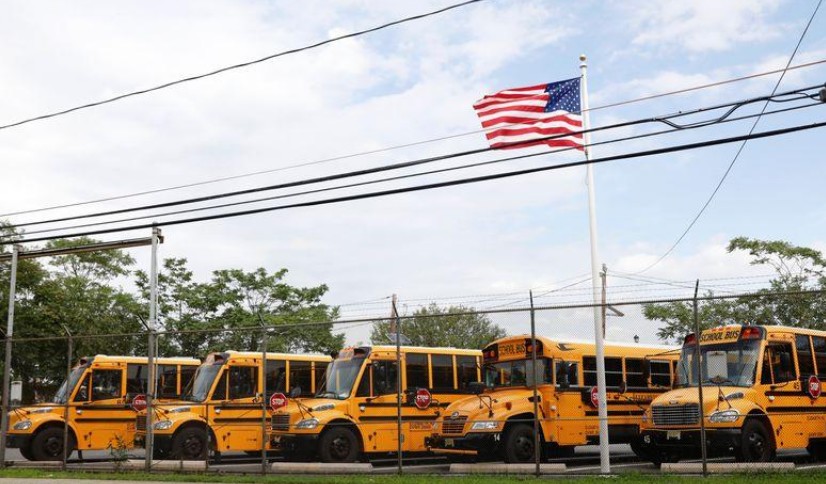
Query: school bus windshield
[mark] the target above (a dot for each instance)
(339, 378)
(731, 364)
(198, 388)
(516, 373)
(65, 390)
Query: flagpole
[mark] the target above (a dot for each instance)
(602, 406)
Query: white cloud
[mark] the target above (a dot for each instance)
(704, 25)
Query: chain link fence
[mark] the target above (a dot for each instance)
(689, 382)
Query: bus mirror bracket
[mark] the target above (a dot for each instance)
(295, 392)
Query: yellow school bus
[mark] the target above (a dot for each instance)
(761, 392)
(355, 412)
(223, 408)
(99, 394)
(498, 421)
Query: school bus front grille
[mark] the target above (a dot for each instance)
(454, 425)
(281, 422)
(688, 414)
(140, 423)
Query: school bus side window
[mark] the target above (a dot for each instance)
(301, 375)
(660, 373)
(417, 370)
(442, 368)
(467, 373)
(634, 374)
(567, 373)
(82, 394)
(220, 392)
(168, 385)
(136, 376)
(778, 366)
(243, 382)
(819, 343)
(276, 376)
(106, 384)
(805, 359)
(385, 377)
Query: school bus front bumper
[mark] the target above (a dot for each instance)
(471, 443)
(18, 441)
(295, 443)
(716, 438)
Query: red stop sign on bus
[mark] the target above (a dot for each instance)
(139, 402)
(423, 398)
(595, 397)
(814, 387)
(278, 400)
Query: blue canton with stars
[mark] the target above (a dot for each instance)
(563, 96)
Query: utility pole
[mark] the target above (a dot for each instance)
(394, 314)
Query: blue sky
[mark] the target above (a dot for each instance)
(406, 84)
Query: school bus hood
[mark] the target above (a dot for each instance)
(500, 401)
(713, 397)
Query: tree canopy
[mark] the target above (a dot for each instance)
(455, 326)
(797, 269)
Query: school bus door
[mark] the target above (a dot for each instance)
(236, 419)
(786, 403)
(101, 411)
(569, 405)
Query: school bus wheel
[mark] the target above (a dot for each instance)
(816, 449)
(26, 452)
(47, 444)
(756, 442)
(339, 443)
(519, 443)
(190, 443)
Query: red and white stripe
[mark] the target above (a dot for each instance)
(518, 115)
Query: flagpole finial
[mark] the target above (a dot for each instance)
(582, 63)
(582, 57)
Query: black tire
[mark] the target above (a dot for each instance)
(756, 443)
(48, 444)
(338, 444)
(159, 454)
(26, 452)
(190, 444)
(520, 444)
(817, 450)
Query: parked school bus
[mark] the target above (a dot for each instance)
(224, 407)
(761, 392)
(355, 412)
(498, 422)
(99, 394)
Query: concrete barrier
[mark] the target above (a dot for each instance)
(166, 465)
(34, 464)
(726, 467)
(499, 468)
(320, 468)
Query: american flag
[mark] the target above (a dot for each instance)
(532, 113)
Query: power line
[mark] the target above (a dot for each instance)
(737, 154)
(464, 181)
(389, 148)
(237, 66)
(666, 119)
(387, 179)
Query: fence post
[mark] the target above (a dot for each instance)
(536, 440)
(4, 420)
(264, 399)
(399, 434)
(66, 450)
(699, 366)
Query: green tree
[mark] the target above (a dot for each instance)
(239, 302)
(455, 326)
(796, 269)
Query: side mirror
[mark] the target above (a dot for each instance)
(476, 387)
(295, 392)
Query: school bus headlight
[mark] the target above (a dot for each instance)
(23, 425)
(162, 425)
(724, 416)
(307, 423)
(485, 425)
